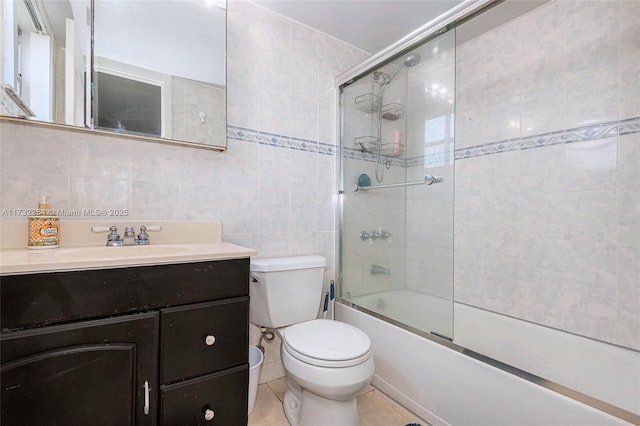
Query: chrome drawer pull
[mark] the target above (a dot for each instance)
(209, 414)
(210, 340)
(146, 398)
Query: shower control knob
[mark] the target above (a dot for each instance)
(210, 340)
(209, 414)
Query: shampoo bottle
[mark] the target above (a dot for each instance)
(398, 146)
(44, 227)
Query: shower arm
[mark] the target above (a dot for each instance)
(428, 180)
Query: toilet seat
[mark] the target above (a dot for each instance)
(327, 343)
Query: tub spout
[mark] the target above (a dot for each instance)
(379, 270)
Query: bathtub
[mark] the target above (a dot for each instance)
(413, 308)
(446, 386)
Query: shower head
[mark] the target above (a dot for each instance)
(411, 60)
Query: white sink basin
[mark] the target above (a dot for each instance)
(122, 251)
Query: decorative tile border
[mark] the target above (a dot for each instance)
(242, 134)
(629, 126)
(545, 139)
(327, 149)
(472, 151)
(358, 154)
(579, 134)
(414, 161)
(273, 139)
(598, 131)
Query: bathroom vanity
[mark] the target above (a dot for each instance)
(155, 340)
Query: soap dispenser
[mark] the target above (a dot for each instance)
(44, 227)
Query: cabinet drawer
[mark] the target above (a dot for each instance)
(225, 394)
(35, 299)
(203, 338)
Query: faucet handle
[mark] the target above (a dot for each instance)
(113, 234)
(112, 230)
(98, 229)
(143, 237)
(113, 239)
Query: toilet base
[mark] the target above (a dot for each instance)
(314, 410)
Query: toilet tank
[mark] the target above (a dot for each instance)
(285, 290)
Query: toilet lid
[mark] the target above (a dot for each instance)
(323, 341)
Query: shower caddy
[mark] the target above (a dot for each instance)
(371, 103)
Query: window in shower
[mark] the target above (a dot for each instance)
(438, 140)
(397, 232)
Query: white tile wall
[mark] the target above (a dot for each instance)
(278, 200)
(189, 100)
(281, 81)
(273, 198)
(551, 234)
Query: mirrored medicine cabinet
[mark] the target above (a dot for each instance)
(148, 68)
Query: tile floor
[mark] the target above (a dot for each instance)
(374, 408)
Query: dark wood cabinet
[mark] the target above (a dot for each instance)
(167, 345)
(91, 372)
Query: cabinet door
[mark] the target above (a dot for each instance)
(218, 399)
(86, 373)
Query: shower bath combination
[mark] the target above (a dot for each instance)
(397, 112)
(451, 285)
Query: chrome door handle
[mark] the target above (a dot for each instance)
(146, 398)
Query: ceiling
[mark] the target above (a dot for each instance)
(370, 25)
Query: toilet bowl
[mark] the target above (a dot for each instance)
(327, 362)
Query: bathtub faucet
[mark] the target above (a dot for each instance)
(379, 270)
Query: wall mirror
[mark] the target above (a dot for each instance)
(157, 67)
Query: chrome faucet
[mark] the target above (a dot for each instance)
(129, 238)
(379, 270)
(364, 235)
(375, 235)
(143, 237)
(113, 239)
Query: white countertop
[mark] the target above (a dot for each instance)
(80, 249)
(23, 260)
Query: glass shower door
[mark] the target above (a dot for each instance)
(397, 170)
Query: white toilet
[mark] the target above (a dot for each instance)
(327, 362)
